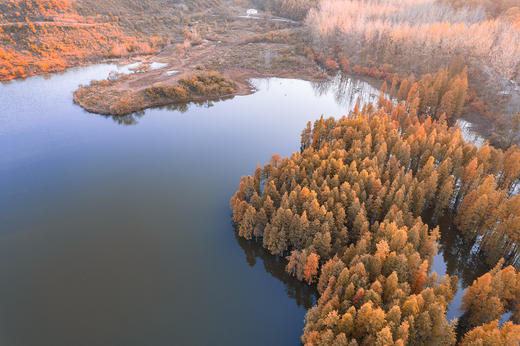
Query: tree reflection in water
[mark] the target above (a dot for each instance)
(133, 119)
(347, 90)
(304, 294)
(461, 255)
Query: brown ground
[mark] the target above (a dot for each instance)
(238, 48)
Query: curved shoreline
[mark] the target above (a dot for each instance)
(115, 98)
(238, 54)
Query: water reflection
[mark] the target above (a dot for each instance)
(304, 294)
(126, 120)
(133, 119)
(461, 256)
(458, 256)
(346, 90)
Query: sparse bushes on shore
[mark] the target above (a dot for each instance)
(206, 84)
(203, 86)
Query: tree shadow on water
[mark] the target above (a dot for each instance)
(133, 118)
(461, 255)
(304, 294)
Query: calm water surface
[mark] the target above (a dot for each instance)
(117, 231)
(121, 235)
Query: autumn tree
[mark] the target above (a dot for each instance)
(491, 334)
(310, 270)
(491, 295)
(352, 201)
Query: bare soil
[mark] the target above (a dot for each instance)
(238, 47)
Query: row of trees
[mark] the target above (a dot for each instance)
(442, 93)
(351, 203)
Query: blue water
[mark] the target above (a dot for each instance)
(121, 235)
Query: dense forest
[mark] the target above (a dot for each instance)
(421, 36)
(348, 212)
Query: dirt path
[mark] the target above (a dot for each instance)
(237, 50)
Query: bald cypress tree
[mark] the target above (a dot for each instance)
(491, 334)
(352, 202)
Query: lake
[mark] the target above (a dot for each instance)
(117, 231)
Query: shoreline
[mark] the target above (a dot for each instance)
(84, 96)
(237, 62)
